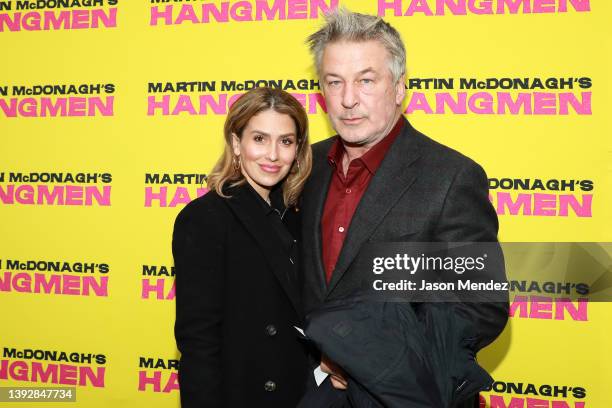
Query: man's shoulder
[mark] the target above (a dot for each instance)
(321, 148)
(441, 156)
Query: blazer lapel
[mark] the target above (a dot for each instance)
(244, 205)
(314, 202)
(392, 179)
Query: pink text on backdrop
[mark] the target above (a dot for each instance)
(42, 194)
(64, 374)
(500, 103)
(498, 401)
(178, 196)
(60, 106)
(158, 287)
(548, 308)
(59, 284)
(543, 205)
(58, 20)
(206, 104)
(240, 11)
(155, 381)
(463, 7)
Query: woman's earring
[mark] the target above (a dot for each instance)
(236, 163)
(297, 162)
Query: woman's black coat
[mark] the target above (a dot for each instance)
(237, 301)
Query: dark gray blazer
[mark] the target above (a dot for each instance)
(423, 191)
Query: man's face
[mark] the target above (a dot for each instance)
(362, 99)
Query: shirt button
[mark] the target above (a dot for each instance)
(348, 191)
(270, 386)
(271, 330)
(341, 229)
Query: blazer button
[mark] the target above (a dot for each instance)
(270, 386)
(271, 330)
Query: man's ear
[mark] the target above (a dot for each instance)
(235, 144)
(400, 90)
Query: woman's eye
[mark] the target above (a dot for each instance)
(258, 138)
(287, 142)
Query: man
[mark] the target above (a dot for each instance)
(379, 179)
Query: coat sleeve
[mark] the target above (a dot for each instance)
(468, 216)
(198, 250)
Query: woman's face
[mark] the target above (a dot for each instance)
(267, 149)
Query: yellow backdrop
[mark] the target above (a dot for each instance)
(111, 112)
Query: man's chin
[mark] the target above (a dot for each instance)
(351, 134)
(353, 138)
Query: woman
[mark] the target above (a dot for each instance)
(237, 292)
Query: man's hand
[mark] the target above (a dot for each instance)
(336, 374)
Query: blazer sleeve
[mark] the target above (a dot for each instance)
(198, 250)
(468, 216)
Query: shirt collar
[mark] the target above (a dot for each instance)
(373, 157)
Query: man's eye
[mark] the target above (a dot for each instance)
(333, 83)
(367, 81)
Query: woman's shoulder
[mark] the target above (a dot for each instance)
(209, 208)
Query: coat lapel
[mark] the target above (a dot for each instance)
(316, 194)
(244, 205)
(392, 179)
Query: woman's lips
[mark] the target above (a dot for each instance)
(268, 168)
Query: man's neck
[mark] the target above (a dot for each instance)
(352, 152)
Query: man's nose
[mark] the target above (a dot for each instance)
(349, 96)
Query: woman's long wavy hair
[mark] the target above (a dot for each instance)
(248, 105)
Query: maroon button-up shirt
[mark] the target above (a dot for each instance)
(345, 192)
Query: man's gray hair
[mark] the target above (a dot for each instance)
(344, 25)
